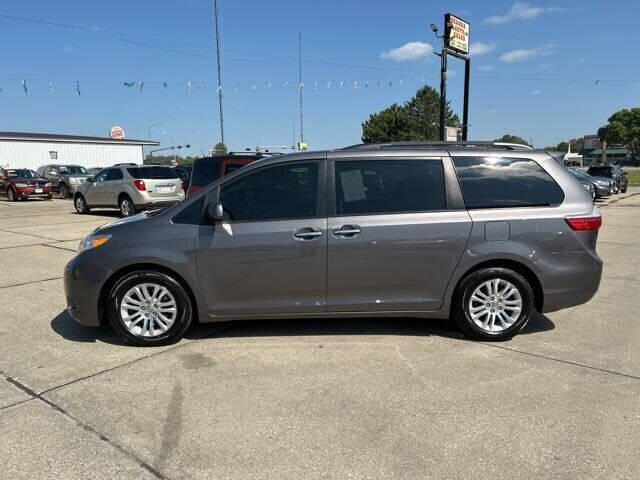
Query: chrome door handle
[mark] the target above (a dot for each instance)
(347, 230)
(307, 234)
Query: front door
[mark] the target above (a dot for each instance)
(94, 194)
(269, 255)
(393, 244)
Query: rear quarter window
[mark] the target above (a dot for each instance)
(498, 182)
(152, 173)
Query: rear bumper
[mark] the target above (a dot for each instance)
(83, 281)
(569, 279)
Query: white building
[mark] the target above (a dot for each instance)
(31, 150)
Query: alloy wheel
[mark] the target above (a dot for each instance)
(148, 310)
(125, 207)
(495, 305)
(80, 205)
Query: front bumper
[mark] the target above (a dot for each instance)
(569, 279)
(83, 281)
(601, 191)
(29, 192)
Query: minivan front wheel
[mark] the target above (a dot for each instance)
(149, 308)
(493, 304)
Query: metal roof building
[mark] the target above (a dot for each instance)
(31, 150)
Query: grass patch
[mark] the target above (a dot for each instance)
(633, 174)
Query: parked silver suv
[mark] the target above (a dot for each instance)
(484, 233)
(130, 188)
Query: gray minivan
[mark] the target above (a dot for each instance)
(483, 233)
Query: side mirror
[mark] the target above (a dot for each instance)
(215, 212)
(90, 180)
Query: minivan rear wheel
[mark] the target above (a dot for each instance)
(127, 208)
(493, 304)
(149, 308)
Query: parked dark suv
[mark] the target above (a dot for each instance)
(64, 178)
(487, 234)
(614, 172)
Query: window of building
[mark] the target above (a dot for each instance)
(496, 182)
(281, 192)
(389, 186)
(53, 155)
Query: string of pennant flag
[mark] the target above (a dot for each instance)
(188, 86)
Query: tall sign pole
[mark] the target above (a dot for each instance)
(300, 86)
(215, 11)
(456, 44)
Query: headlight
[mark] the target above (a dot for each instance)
(74, 180)
(92, 242)
(48, 184)
(603, 183)
(21, 185)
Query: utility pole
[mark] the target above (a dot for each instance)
(215, 11)
(443, 93)
(300, 85)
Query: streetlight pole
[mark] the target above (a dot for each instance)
(215, 11)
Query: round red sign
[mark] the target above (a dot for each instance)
(117, 133)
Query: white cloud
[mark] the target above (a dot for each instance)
(524, 54)
(536, 92)
(408, 51)
(480, 48)
(520, 11)
(486, 68)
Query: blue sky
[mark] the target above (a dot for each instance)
(544, 70)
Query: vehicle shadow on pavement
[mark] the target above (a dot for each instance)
(67, 328)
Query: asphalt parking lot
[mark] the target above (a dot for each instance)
(378, 398)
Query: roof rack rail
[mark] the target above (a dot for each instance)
(485, 144)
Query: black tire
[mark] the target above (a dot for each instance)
(127, 208)
(184, 309)
(81, 204)
(625, 190)
(64, 191)
(461, 303)
(12, 196)
(50, 197)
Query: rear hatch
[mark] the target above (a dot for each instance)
(157, 181)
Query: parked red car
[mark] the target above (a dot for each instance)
(22, 183)
(208, 169)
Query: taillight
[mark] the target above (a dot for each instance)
(140, 185)
(585, 223)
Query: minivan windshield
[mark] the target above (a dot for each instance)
(73, 169)
(152, 173)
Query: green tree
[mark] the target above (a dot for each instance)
(623, 128)
(416, 119)
(509, 138)
(577, 144)
(220, 149)
(168, 159)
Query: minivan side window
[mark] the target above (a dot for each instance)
(368, 187)
(498, 182)
(281, 192)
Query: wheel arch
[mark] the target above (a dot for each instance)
(118, 274)
(522, 269)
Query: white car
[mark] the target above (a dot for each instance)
(130, 188)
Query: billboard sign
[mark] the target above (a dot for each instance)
(116, 133)
(456, 34)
